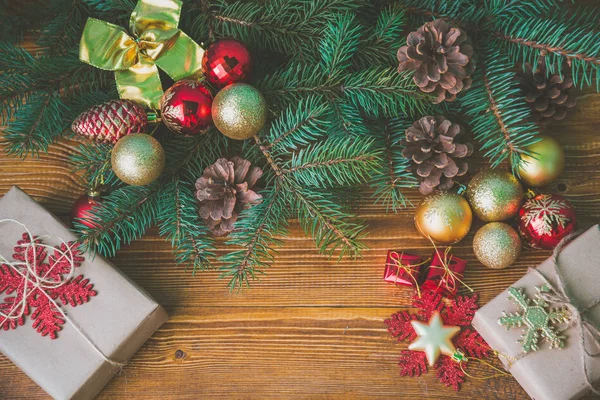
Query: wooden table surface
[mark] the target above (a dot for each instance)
(311, 328)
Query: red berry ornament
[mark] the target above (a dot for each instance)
(186, 108)
(226, 61)
(82, 209)
(544, 220)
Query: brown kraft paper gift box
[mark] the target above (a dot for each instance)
(118, 320)
(556, 374)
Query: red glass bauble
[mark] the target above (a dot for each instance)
(544, 220)
(186, 108)
(82, 209)
(226, 61)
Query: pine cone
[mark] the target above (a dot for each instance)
(441, 56)
(431, 145)
(108, 122)
(224, 190)
(549, 98)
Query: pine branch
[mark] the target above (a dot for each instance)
(393, 174)
(557, 39)
(255, 232)
(333, 163)
(123, 216)
(63, 31)
(384, 92)
(463, 13)
(340, 40)
(37, 124)
(500, 117)
(180, 224)
(331, 227)
(92, 161)
(126, 213)
(298, 126)
(281, 25)
(40, 95)
(345, 120)
(380, 44)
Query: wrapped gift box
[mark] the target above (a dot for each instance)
(438, 280)
(402, 268)
(556, 374)
(117, 321)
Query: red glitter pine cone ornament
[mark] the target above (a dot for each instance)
(441, 56)
(227, 61)
(544, 220)
(108, 122)
(186, 108)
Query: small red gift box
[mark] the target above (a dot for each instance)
(445, 274)
(402, 268)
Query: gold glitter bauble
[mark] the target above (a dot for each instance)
(495, 195)
(544, 165)
(497, 245)
(239, 111)
(444, 217)
(138, 159)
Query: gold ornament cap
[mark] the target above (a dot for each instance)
(495, 195)
(545, 164)
(239, 111)
(497, 245)
(444, 217)
(138, 159)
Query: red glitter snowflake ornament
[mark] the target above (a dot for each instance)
(457, 312)
(58, 286)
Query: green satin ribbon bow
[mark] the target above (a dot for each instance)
(157, 44)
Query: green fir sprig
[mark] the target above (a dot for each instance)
(338, 110)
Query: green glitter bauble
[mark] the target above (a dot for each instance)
(495, 195)
(496, 245)
(544, 163)
(239, 111)
(138, 159)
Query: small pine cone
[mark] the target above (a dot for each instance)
(441, 56)
(549, 98)
(224, 190)
(108, 122)
(436, 157)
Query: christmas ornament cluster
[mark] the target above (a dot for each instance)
(187, 108)
(513, 216)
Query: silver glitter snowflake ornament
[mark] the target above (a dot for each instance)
(538, 319)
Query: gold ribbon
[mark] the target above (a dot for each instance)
(156, 43)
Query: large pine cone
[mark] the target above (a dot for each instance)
(441, 56)
(108, 122)
(431, 145)
(224, 190)
(549, 98)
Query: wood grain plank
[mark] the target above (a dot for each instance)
(312, 328)
(271, 353)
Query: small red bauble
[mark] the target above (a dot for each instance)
(544, 220)
(186, 108)
(226, 61)
(82, 209)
